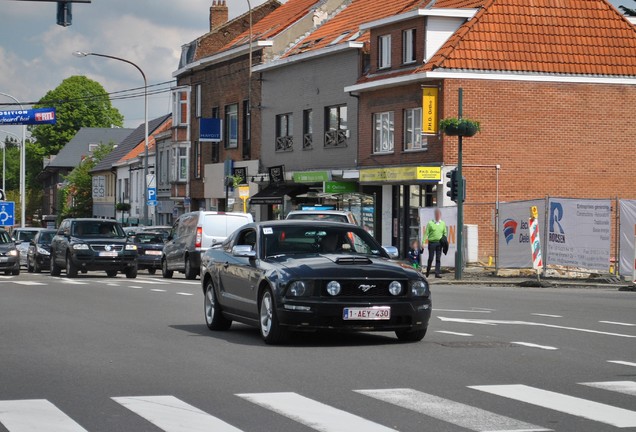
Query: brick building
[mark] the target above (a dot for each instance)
(554, 91)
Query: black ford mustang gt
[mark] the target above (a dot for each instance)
(306, 275)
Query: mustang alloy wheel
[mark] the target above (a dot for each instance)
(271, 331)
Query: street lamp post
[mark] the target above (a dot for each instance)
(22, 167)
(86, 54)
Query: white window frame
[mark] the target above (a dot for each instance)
(409, 55)
(181, 102)
(183, 162)
(384, 51)
(198, 101)
(229, 142)
(413, 139)
(384, 132)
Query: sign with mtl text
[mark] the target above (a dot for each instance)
(28, 117)
(579, 233)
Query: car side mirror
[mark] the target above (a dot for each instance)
(67, 232)
(391, 251)
(243, 251)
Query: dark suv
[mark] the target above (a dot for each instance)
(92, 244)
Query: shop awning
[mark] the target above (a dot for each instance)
(275, 194)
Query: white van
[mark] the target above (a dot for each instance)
(194, 233)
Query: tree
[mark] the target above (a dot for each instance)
(79, 184)
(80, 102)
(628, 11)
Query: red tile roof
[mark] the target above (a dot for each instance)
(140, 148)
(583, 37)
(275, 22)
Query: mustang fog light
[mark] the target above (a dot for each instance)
(395, 288)
(334, 288)
(297, 289)
(418, 288)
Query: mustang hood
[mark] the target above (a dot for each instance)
(342, 266)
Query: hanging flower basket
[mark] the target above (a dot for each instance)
(123, 207)
(459, 127)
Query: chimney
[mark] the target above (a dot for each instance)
(218, 14)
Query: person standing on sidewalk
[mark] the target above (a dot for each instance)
(435, 230)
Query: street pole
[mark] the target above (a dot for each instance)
(249, 82)
(22, 167)
(459, 253)
(4, 159)
(86, 54)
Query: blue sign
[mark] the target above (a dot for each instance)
(28, 117)
(152, 196)
(7, 213)
(210, 130)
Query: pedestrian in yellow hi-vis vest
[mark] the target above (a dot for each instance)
(435, 230)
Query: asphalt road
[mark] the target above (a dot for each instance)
(104, 355)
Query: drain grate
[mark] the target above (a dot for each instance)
(475, 344)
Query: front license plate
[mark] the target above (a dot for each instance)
(370, 313)
(153, 252)
(108, 254)
(4, 259)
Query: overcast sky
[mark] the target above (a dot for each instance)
(36, 54)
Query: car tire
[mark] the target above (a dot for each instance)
(111, 273)
(131, 272)
(71, 269)
(271, 330)
(213, 312)
(411, 335)
(55, 270)
(190, 273)
(152, 271)
(36, 267)
(165, 273)
(7, 272)
(29, 267)
(16, 271)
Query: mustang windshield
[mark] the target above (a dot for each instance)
(295, 240)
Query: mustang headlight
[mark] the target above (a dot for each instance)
(131, 247)
(298, 289)
(334, 288)
(13, 252)
(395, 288)
(80, 246)
(43, 251)
(419, 288)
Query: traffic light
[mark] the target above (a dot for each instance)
(64, 13)
(453, 185)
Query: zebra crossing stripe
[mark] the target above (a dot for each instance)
(28, 283)
(313, 414)
(72, 281)
(35, 415)
(595, 411)
(625, 387)
(173, 415)
(449, 411)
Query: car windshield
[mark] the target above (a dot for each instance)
(5, 238)
(326, 217)
(97, 229)
(294, 240)
(46, 237)
(26, 236)
(148, 238)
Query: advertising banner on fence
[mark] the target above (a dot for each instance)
(578, 233)
(449, 215)
(514, 237)
(628, 231)
(28, 116)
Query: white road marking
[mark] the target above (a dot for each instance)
(186, 282)
(625, 387)
(620, 362)
(547, 315)
(150, 281)
(531, 345)
(590, 410)
(497, 322)
(112, 284)
(29, 283)
(449, 411)
(72, 281)
(185, 294)
(135, 287)
(173, 415)
(463, 310)
(35, 415)
(313, 414)
(158, 290)
(618, 323)
(453, 333)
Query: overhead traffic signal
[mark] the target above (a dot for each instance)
(64, 13)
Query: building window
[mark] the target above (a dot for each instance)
(247, 130)
(308, 129)
(231, 126)
(215, 152)
(384, 51)
(163, 168)
(408, 46)
(336, 129)
(413, 130)
(126, 189)
(383, 139)
(180, 104)
(183, 164)
(197, 159)
(284, 132)
(92, 147)
(198, 101)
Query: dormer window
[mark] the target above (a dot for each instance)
(408, 46)
(384, 52)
